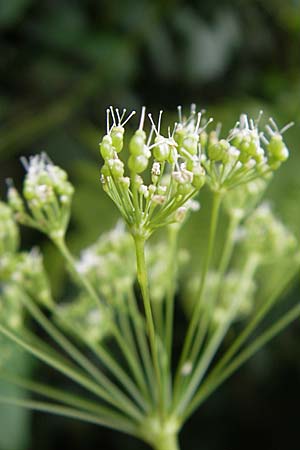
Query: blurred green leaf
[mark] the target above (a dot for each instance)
(11, 11)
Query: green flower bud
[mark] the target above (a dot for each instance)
(117, 135)
(198, 177)
(137, 143)
(173, 155)
(15, 200)
(106, 147)
(219, 151)
(116, 167)
(277, 149)
(184, 189)
(190, 144)
(179, 135)
(137, 164)
(203, 139)
(161, 151)
(105, 170)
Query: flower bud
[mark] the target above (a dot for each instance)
(190, 144)
(161, 151)
(137, 164)
(137, 142)
(106, 147)
(116, 167)
(117, 135)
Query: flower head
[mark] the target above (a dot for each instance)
(161, 174)
(48, 195)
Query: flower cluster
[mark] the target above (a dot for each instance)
(264, 234)
(109, 263)
(150, 199)
(9, 233)
(48, 195)
(82, 318)
(245, 155)
(165, 171)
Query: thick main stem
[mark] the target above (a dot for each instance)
(167, 442)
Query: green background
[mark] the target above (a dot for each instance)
(61, 63)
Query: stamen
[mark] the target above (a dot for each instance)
(286, 127)
(128, 118)
(260, 114)
(25, 163)
(142, 119)
(218, 129)
(152, 123)
(123, 114)
(198, 122)
(174, 129)
(113, 116)
(244, 121)
(159, 121)
(263, 138)
(107, 121)
(150, 136)
(118, 115)
(273, 123)
(210, 120)
(269, 130)
(179, 109)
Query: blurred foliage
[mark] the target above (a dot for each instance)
(64, 61)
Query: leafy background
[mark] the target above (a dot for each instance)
(62, 62)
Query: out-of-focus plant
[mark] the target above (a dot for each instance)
(154, 187)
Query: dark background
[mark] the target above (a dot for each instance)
(61, 63)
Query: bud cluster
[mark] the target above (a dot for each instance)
(91, 323)
(234, 288)
(158, 259)
(266, 235)
(109, 263)
(149, 199)
(11, 308)
(9, 233)
(29, 274)
(48, 195)
(164, 171)
(245, 155)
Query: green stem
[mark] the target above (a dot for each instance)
(256, 320)
(143, 282)
(66, 370)
(82, 361)
(83, 281)
(110, 363)
(132, 362)
(119, 425)
(224, 262)
(217, 338)
(211, 385)
(172, 271)
(217, 197)
(59, 395)
(139, 328)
